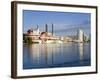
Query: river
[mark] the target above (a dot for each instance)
(56, 55)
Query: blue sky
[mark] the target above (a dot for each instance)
(65, 23)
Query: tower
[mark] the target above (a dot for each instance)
(80, 36)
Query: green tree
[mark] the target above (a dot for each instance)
(28, 40)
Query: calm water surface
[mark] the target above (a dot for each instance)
(56, 55)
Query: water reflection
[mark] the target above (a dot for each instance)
(55, 55)
(81, 49)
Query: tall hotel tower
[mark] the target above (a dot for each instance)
(81, 36)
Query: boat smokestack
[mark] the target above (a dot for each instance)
(52, 29)
(46, 28)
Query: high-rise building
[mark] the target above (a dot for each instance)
(81, 36)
